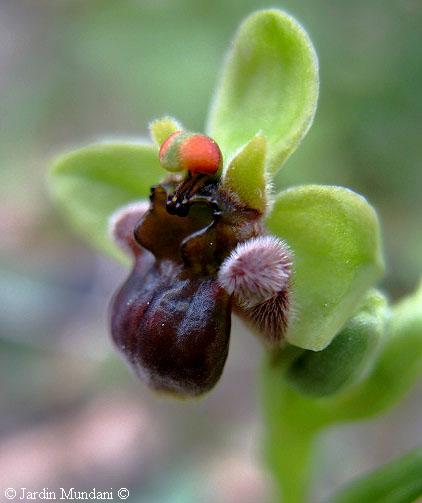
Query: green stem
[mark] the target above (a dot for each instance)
(288, 446)
(289, 458)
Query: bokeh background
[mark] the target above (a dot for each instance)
(72, 71)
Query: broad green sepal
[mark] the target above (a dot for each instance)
(399, 481)
(269, 83)
(246, 174)
(90, 183)
(350, 355)
(335, 237)
(161, 129)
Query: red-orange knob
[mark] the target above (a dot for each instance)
(193, 152)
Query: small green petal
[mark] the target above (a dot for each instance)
(269, 83)
(335, 238)
(246, 174)
(90, 183)
(350, 355)
(161, 129)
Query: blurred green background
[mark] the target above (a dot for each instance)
(73, 71)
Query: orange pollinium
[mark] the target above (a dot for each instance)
(196, 153)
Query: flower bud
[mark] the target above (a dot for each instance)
(349, 357)
(195, 153)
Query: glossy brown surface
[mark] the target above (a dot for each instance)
(174, 331)
(171, 319)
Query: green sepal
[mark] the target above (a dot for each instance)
(269, 83)
(246, 174)
(335, 237)
(161, 129)
(90, 183)
(350, 355)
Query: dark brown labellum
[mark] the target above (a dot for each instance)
(171, 318)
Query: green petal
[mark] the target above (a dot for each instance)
(350, 355)
(399, 481)
(161, 129)
(269, 84)
(334, 234)
(90, 183)
(246, 174)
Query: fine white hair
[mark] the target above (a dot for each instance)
(256, 270)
